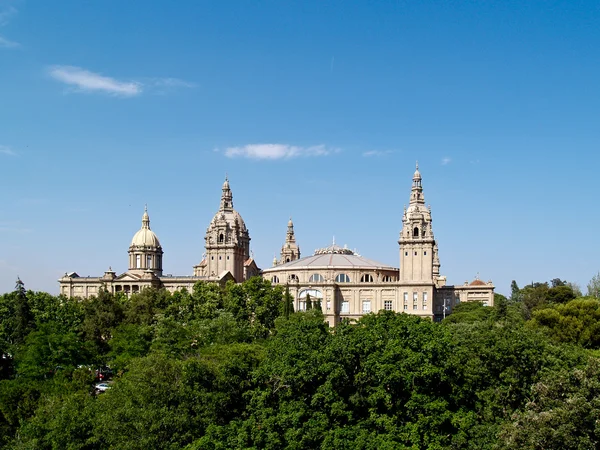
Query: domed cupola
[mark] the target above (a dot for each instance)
(145, 251)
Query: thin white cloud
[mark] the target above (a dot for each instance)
(5, 43)
(277, 151)
(372, 153)
(85, 81)
(446, 161)
(6, 14)
(4, 150)
(172, 83)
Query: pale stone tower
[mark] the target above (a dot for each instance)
(145, 252)
(227, 241)
(419, 261)
(290, 250)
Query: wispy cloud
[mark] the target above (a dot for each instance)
(5, 43)
(171, 83)
(446, 161)
(82, 80)
(85, 81)
(6, 14)
(4, 150)
(372, 153)
(277, 151)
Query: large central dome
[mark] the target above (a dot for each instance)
(332, 256)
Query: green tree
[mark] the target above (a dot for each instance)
(515, 292)
(577, 321)
(593, 287)
(562, 413)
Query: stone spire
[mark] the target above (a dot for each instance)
(416, 194)
(146, 218)
(226, 197)
(290, 250)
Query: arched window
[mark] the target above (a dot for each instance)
(366, 278)
(293, 277)
(342, 278)
(387, 279)
(316, 278)
(222, 238)
(416, 232)
(287, 260)
(274, 279)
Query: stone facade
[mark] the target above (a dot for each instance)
(348, 285)
(344, 283)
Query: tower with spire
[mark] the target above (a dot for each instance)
(419, 261)
(227, 242)
(145, 251)
(290, 251)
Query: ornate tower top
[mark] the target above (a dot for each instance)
(416, 195)
(146, 218)
(290, 250)
(226, 197)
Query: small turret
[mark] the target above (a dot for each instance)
(290, 250)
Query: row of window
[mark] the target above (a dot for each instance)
(340, 278)
(345, 306)
(416, 253)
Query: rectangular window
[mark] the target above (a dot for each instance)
(345, 307)
(328, 305)
(415, 306)
(424, 297)
(387, 305)
(138, 261)
(302, 305)
(406, 297)
(405, 306)
(415, 296)
(149, 262)
(366, 306)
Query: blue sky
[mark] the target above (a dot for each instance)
(314, 109)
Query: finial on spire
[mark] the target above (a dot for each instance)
(333, 240)
(145, 207)
(417, 165)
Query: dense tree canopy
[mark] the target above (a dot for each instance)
(234, 366)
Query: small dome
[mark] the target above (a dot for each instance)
(145, 237)
(226, 184)
(290, 223)
(477, 282)
(417, 174)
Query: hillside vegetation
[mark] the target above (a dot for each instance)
(235, 367)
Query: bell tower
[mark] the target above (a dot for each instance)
(419, 261)
(227, 242)
(290, 250)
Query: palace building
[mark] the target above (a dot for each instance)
(344, 283)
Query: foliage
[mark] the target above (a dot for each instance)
(577, 321)
(234, 366)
